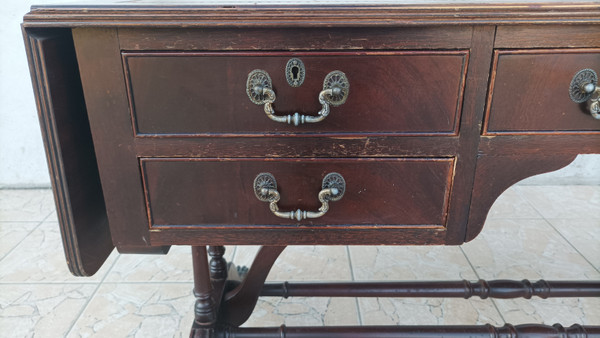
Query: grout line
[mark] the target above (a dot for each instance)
(557, 231)
(571, 244)
(94, 282)
(469, 261)
(21, 241)
(515, 218)
(13, 222)
(478, 277)
(48, 216)
(360, 321)
(87, 303)
(28, 233)
(33, 187)
(51, 283)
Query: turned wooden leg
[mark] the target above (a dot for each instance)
(218, 265)
(204, 310)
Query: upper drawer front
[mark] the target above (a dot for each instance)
(191, 192)
(530, 92)
(201, 94)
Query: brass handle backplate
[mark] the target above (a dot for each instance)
(584, 88)
(260, 91)
(332, 189)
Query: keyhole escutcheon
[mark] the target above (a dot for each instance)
(295, 72)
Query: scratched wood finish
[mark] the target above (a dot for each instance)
(100, 68)
(432, 14)
(530, 92)
(205, 93)
(417, 167)
(300, 236)
(549, 144)
(312, 145)
(481, 52)
(431, 28)
(68, 143)
(219, 192)
(493, 176)
(131, 232)
(554, 36)
(295, 38)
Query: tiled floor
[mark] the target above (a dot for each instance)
(550, 232)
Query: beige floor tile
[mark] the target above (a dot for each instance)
(40, 258)
(12, 233)
(302, 263)
(564, 201)
(510, 204)
(52, 218)
(25, 205)
(41, 310)
(565, 311)
(174, 266)
(306, 311)
(419, 311)
(513, 245)
(409, 263)
(583, 234)
(418, 263)
(517, 249)
(138, 310)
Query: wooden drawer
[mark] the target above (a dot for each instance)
(200, 94)
(529, 92)
(193, 192)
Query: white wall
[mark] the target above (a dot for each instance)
(22, 159)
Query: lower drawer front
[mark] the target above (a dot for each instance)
(193, 192)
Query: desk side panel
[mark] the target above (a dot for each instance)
(69, 149)
(495, 174)
(103, 86)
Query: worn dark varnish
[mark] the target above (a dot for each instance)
(209, 89)
(151, 140)
(69, 148)
(528, 95)
(481, 331)
(503, 289)
(384, 192)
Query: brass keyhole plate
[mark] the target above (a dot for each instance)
(295, 72)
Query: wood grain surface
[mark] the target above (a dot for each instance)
(72, 162)
(432, 14)
(205, 93)
(219, 192)
(530, 92)
(166, 84)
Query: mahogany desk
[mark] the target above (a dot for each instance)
(288, 125)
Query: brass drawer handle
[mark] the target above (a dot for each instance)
(332, 189)
(584, 87)
(335, 92)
